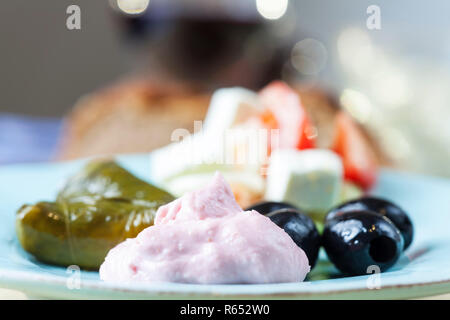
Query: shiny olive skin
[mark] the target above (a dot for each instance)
(381, 206)
(301, 229)
(358, 239)
(266, 207)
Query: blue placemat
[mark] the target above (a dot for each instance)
(28, 139)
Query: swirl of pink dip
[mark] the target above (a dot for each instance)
(204, 237)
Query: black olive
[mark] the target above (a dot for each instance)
(301, 229)
(267, 207)
(381, 206)
(358, 239)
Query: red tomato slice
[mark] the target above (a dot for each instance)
(360, 165)
(284, 111)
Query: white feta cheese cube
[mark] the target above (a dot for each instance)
(230, 106)
(309, 179)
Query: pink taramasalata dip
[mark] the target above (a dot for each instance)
(204, 237)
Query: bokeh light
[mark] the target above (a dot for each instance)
(355, 50)
(390, 86)
(309, 56)
(357, 104)
(272, 9)
(133, 6)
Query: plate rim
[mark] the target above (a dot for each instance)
(27, 281)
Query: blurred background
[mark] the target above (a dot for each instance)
(68, 93)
